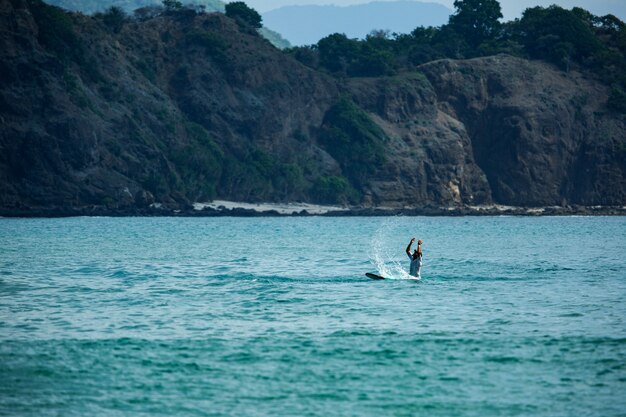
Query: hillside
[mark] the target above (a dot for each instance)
(130, 6)
(305, 25)
(95, 6)
(188, 107)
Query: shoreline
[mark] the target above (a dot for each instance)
(222, 208)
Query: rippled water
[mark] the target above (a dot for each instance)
(274, 316)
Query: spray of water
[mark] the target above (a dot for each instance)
(383, 255)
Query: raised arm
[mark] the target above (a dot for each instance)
(408, 248)
(419, 248)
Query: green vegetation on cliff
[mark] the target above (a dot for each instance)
(115, 13)
(56, 31)
(566, 38)
(94, 6)
(335, 190)
(354, 140)
(243, 14)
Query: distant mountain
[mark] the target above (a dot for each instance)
(305, 25)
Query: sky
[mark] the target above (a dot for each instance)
(511, 9)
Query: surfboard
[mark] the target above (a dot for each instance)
(373, 276)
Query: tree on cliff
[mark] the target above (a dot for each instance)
(171, 5)
(476, 20)
(337, 52)
(343, 56)
(114, 18)
(239, 11)
(558, 35)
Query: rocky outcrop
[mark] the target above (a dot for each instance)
(188, 107)
(430, 153)
(541, 136)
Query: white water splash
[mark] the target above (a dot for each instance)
(384, 258)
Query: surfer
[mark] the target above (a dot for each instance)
(416, 258)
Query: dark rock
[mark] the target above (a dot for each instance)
(541, 136)
(144, 198)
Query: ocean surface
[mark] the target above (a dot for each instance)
(513, 316)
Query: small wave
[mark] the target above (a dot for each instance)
(451, 277)
(9, 287)
(77, 289)
(502, 359)
(123, 273)
(571, 315)
(499, 322)
(88, 270)
(274, 278)
(550, 268)
(359, 333)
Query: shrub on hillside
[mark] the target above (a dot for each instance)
(351, 137)
(172, 5)
(557, 35)
(334, 190)
(341, 55)
(209, 41)
(243, 14)
(56, 30)
(199, 162)
(114, 18)
(147, 12)
(617, 100)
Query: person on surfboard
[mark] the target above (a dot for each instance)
(416, 258)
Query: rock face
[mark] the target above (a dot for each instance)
(542, 137)
(430, 153)
(185, 107)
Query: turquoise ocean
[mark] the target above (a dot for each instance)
(513, 316)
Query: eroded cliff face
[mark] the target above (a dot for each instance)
(542, 137)
(185, 107)
(430, 153)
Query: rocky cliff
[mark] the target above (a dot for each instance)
(187, 107)
(542, 137)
